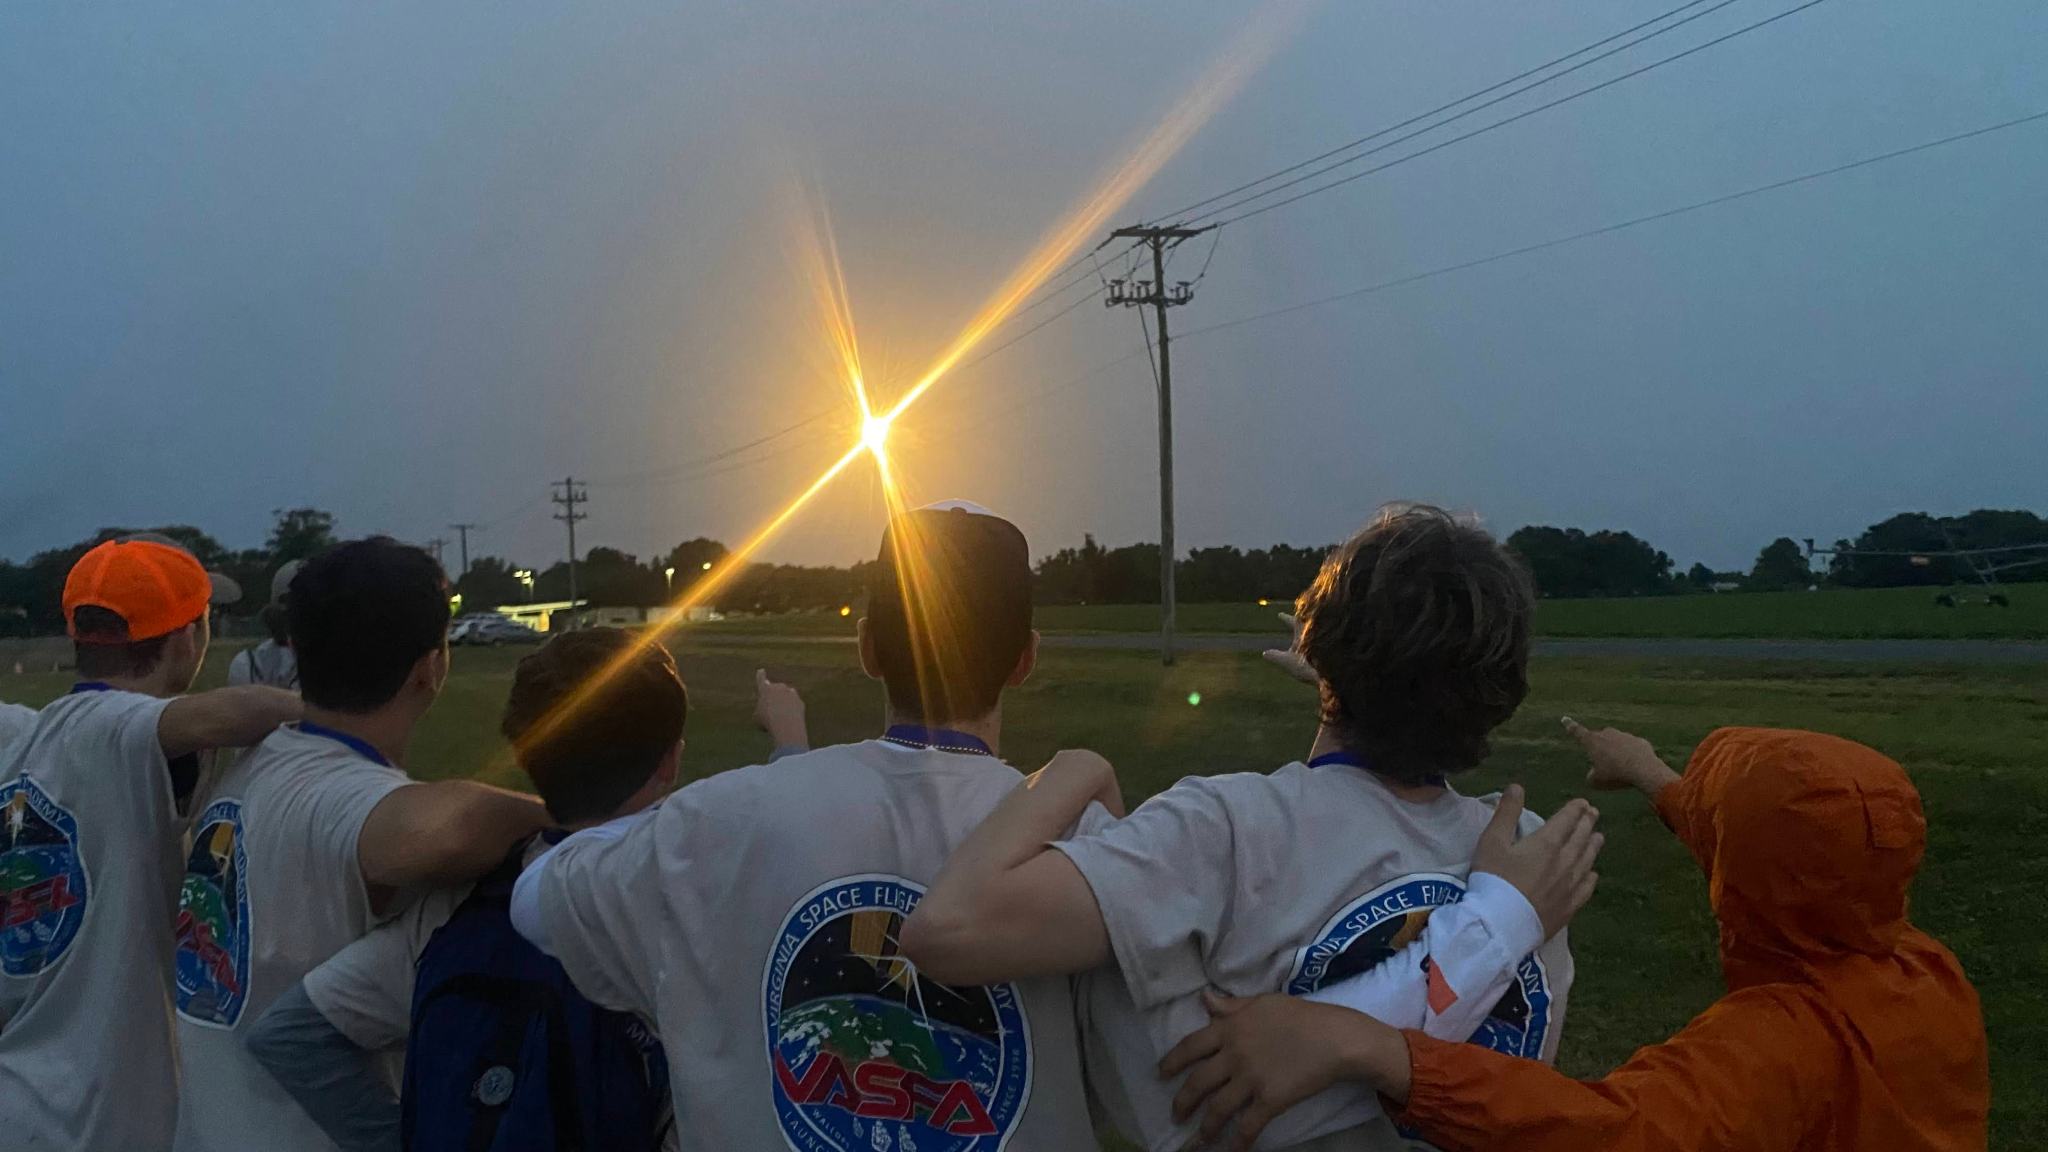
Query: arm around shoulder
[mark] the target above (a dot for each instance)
(1753, 1071)
(1006, 906)
(445, 832)
(238, 717)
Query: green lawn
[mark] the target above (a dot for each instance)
(1831, 614)
(1975, 740)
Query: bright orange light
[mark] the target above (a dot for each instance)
(874, 433)
(846, 609)
(1264, 34)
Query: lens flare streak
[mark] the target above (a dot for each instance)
(1265, 32)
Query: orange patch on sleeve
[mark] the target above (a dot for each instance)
(1441, 994)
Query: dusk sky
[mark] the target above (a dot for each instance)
(410, 263)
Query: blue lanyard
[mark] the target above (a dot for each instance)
(91, 686)
(1345, 758)
(356, 744)
(938, 739)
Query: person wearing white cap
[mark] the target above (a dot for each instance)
(753, 917)
(271, 662)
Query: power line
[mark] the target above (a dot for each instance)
(1469, 96)
(1620, 225)
(1458, 139)
(1040, 395)
(673, 470)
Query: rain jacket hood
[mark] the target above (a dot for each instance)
(1809, 843)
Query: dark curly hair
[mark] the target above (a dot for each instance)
(1419, 629)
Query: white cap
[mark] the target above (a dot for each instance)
(967, 506)
(282, 582)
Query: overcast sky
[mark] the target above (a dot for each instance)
(408, 263)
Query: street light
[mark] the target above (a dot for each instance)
(525, 576)
(669, 574)
(706, 565)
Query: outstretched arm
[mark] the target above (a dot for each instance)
(1006, 906)
(779, 711)
(1749, 1075)
(444, 833)
(223, 718)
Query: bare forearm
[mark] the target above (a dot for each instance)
(1039, 810)
(237, 717)
(1006, 906)
(449, 832)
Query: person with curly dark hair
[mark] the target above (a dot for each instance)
(1358, 859)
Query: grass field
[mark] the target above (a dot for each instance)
(1834, 614)
(1975, 740)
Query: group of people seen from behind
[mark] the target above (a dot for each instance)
(242, 919)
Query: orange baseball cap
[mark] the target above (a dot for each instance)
(148, 581)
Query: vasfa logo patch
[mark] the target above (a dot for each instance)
(213, 920)
(868, 1055)
(1370, 930)
(42, 879)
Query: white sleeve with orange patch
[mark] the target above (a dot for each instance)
(1445, 982)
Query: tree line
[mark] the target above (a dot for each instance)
(1565, 562)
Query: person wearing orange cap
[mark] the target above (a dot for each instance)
(90, 836)
(1844, 1026)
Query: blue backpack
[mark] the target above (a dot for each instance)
(506, 1055)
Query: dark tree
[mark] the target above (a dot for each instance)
(1571, 562)
(488, 584)
(1780, 567)
(299, 534)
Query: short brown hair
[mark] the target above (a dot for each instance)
(591, 761)
(1419, 629)
(103, 651)
(949, 612)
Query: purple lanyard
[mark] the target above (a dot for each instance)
(1345, 758)
(355, 744)
(936, 739)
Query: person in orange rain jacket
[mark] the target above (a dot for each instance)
(1844, 1026)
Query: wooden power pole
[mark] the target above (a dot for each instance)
(1156, 293)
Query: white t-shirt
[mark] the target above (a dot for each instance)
(273, 887)
(88, 886)
(1286, 882)
(266, 663)
(754, 916)
(15, 722)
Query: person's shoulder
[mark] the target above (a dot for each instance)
(793, 779)
(1240, 788)
(1530, 821)
(295, 761)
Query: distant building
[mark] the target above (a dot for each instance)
(541, 616)
(552, 615)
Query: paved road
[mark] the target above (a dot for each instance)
(1857, 651)
(1853, 651)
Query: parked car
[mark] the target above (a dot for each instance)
(490, 631)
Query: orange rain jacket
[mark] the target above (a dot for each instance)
(1844, 1027)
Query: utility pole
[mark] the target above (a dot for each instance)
(1155, 292)
(462, 532)
(569, 497)
(435, 545)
